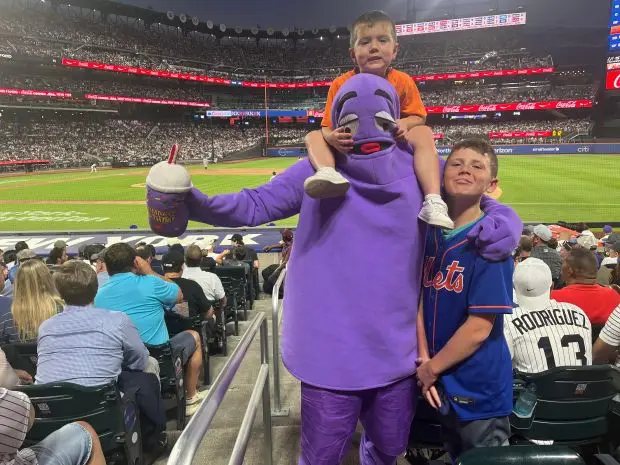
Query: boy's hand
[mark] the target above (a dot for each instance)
(426, 376)
(340, 139)
(400, 131)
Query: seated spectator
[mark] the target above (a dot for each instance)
(541, 249)
(6, 337)
(237, 256)
(35, 300)
(194, 300)
(209, 282)
(609, 262)
(524, 249)
(91, 347)
(542, 333)
(22, 256)
(135, 289)
(74, 444)
(607, 231)
(147, 252)
(57, 256)
(100, 268)
(579, 271)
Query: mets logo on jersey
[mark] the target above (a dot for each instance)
(451, 281)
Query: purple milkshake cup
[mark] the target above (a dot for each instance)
(167, 185)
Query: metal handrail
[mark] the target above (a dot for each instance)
(184, 450)
(275, 335)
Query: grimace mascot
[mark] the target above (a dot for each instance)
(353, 279)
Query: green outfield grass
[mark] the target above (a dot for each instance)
(541, 188)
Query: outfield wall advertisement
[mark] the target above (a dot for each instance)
(549, 149)
(525, 149)
(42, 243)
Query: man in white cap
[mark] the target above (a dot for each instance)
(542, 333)
(540, 240)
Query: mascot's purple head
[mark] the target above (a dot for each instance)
(368, 107)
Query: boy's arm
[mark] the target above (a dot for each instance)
(280, 198)
(423, 353)
(498, 233)
(467, 339)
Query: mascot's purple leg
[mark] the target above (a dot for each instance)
(386, 416)
(329, 419)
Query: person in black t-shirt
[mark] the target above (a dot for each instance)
(194, 300)
(237, 241)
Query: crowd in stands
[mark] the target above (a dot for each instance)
(73, 143)
(563, 128)
(55, 34)
(467, 95)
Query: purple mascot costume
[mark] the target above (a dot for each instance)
(353, 279)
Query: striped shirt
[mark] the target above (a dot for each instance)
(88, 346)
(14, 417)
(560, 334)
(610, 334)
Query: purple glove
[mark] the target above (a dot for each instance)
(496, 236)
(167, 185)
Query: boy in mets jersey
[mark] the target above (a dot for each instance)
(464, 368)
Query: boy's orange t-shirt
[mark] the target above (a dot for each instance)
(408, 94)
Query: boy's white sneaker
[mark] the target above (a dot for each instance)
(435, 212)
(326, 183)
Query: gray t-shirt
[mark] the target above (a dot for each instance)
(551, 257)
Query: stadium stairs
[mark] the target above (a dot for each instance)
(217, 444)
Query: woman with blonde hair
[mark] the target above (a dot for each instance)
(35, 299)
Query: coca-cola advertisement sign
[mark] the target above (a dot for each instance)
(519, 134)
(551, 105)
(613, 80)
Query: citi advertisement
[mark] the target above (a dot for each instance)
(612, 82)
(549, 149)
(287, 152)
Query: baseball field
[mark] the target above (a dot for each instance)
(541, 188)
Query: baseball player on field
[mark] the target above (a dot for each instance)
(542, 333)
(464, 366)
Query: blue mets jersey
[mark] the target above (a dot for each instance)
(459, 282)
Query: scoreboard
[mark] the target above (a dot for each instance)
(612, 79)
(614, 27)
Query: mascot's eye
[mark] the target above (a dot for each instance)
(384, 121)
(350, 122)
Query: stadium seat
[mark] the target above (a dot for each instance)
(573, 405)
(22, 356)
(177, 323)
(234, 282)
(171, 377)
(115, 417)
(217, 338)
(521, 455)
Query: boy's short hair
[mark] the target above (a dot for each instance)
(371, 18)
(482, 147)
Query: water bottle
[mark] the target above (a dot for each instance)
(526, 402)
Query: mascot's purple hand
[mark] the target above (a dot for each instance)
(167, 185)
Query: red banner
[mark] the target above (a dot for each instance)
(438, 136)
(118, 98)
(613, 80)
(34, 93)
(519, 134)
(286, 85)
(24, 162)
(551, 105)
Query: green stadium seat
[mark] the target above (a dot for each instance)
(521, 455)
(177, 323)
(234, 281)
(115, 418)
(172, 377)
(22, 356)
(573, 405)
